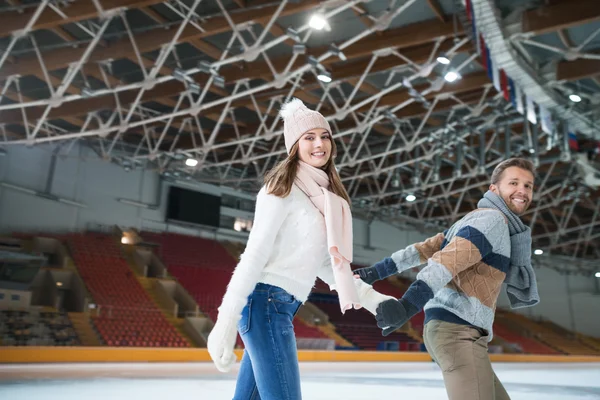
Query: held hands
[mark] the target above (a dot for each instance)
(369, 298)
(221, 342)
(392, 314)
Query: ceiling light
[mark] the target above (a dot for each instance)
(87, 92)
(299, 49)
(443, 60)
(219, 81)
(451, 76)
(317, 22)
(194, 88)
(59, 284)
(575, 98)
(538, 252)
(337, 52)
(597, 275)
(324, 77)
(205, 66)
(191, 162)
(411, 197)
(180, 75)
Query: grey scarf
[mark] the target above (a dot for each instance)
(521, 285)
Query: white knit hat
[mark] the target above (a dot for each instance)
(298, 119)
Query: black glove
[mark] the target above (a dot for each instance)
(392, 314)
(372, 274)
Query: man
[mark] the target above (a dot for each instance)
(459, 286)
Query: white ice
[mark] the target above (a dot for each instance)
(320, 381)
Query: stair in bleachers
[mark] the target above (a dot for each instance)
(85, 331)
(329, 331)
(148, 285)
(125, 314)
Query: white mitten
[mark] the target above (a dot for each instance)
(369, 297)
(221, 341)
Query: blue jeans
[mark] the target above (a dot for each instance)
(269, 368)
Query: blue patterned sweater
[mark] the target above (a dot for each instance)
(464, 271)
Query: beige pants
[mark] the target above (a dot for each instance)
(461, 352)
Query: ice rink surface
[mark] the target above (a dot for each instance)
(320, 381)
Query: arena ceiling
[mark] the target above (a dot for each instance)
(151, 84)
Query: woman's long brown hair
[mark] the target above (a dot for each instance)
(280, 179)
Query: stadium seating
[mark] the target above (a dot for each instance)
(125, 315)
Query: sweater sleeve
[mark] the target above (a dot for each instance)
(269, 215)
(410, 257)
(480, 234)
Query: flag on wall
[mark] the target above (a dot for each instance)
(573, 144)
(546, 120)
(531, 116)
(504, 85)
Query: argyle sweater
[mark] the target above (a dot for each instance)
(466, 266)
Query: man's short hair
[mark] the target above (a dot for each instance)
(512, 162)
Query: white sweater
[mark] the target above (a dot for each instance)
(287, 247)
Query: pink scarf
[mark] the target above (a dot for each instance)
(338, 221)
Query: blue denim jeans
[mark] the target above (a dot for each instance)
(269, 368)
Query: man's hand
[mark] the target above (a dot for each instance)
(392, 314)
(371, 274)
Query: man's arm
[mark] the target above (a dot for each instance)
(407, 258)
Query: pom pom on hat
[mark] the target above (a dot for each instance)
(298, 119)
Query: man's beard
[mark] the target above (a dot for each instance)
(510, 204)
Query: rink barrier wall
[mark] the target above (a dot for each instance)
(149, 354)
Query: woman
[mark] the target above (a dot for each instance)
(302, 229)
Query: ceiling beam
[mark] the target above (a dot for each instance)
(467, 83)
(435, 6)
(76, 11)
(414, 35)
(577, 69)
(559, 16)
(148, 41)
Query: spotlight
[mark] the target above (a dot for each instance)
(317, 22)
(443, 60)
(191, 162)
(411, 197)
(314, 63)
(87, 92)
(337, 52)
(575, 98)
(538, 252)
(219, 81)
(204, 66)
(299, 49)
(451, 76)
(125, 240)
(324, 77)
(194, 88)
(180, 75)
(597, 275)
